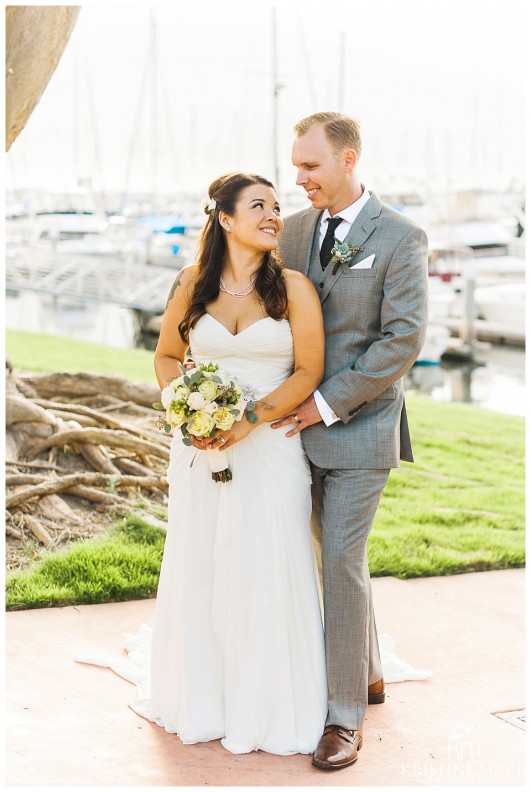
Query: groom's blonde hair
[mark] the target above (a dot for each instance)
(342, 131)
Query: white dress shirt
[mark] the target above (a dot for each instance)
(348, 214)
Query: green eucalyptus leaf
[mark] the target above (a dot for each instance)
(251, 405)
(187, 441)
(158, 406)
(167, 427)
(251, 417)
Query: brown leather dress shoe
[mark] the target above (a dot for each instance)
(377, 692)
(338, 747)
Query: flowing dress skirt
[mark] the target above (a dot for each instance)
(238, 649)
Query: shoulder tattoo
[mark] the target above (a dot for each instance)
(176, 283)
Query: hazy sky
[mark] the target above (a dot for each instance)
(438, 86)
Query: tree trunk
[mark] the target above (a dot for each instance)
(82, 384)
(35, 40)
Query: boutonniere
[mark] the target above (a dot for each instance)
(343, 254)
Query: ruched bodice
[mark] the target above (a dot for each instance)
(261, 356)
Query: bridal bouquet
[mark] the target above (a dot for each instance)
(200, 401)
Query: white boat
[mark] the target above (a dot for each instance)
(475, 234)
(491, 268)
(170, 250)
(58, 226)
(447, 268)
(81, 234)
(502, 304)
(484, 293)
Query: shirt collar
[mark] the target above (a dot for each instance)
(350, 213)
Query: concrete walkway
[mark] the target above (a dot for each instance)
(68, 724)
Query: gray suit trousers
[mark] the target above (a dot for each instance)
(344, 506)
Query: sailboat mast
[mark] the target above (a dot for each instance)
(154, 112)
(341, 81)
(276, 88)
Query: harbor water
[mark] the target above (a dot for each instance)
(497, 384)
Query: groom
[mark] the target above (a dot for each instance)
(374, 301)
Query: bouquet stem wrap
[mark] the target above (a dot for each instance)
(219, 465)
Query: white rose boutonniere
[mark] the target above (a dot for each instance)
(343, 254)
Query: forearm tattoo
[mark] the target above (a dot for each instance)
(263, 403)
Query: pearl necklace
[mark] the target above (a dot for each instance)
(243, 293)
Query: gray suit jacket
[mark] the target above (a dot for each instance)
(375, 324)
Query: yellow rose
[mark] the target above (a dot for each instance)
(201, 424)
(176, 415)
(224, 419)
(208, 389)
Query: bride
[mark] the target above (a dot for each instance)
(237, 649)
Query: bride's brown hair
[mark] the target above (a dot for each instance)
(270, 286)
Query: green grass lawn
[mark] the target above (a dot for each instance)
(40, 352)
(123, 565)
(459, 508)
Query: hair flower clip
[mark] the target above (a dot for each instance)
(343, 254)
(210, 207)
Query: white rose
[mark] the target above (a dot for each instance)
(196, 401)
(210, 407)
(181, 393)
(167, 396)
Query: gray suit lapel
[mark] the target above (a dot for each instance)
(308, 229)
(359, 232)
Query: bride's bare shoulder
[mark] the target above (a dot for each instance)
(188, 275)
(297, 284)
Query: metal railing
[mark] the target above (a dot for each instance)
(90, 279)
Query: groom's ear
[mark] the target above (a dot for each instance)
(350, 159)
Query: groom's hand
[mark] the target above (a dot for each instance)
(304, 415)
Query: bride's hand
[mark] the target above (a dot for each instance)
(227, 439)
(199, 442)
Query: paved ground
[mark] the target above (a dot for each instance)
(68, 724)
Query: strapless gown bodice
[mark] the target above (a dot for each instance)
(260, 356)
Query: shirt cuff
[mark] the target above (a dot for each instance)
(325, 411)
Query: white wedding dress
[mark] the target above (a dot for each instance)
(237, 647)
